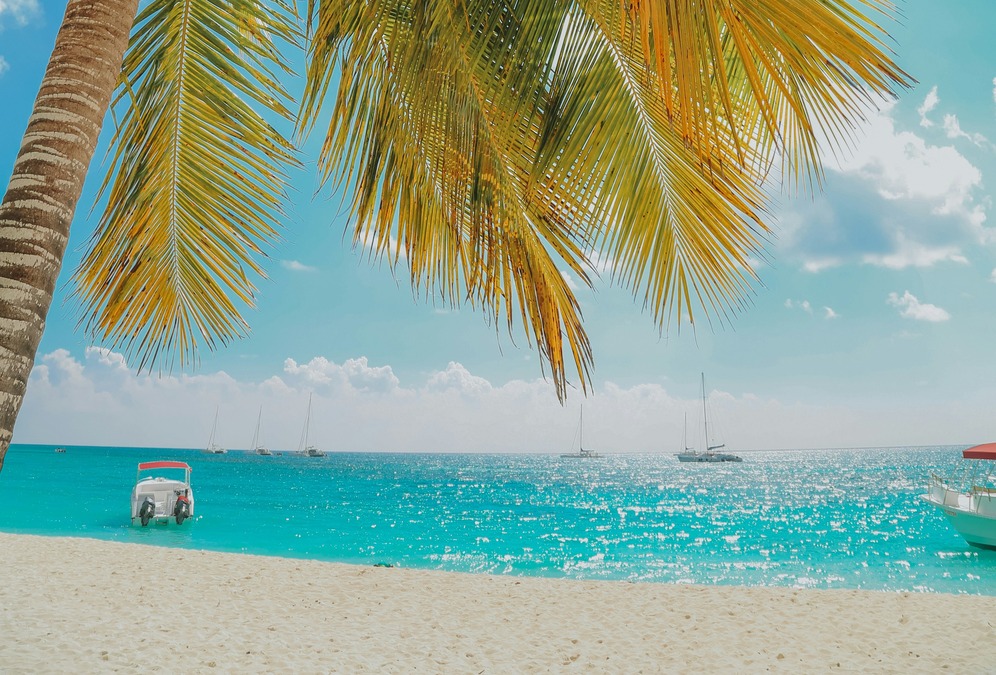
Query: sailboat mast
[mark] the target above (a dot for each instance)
(255, 436)
(214, 428)
(705, 416)
(581, 430)
(307, 423)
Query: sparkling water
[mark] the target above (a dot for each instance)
(806, 519)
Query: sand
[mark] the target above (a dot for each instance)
(82, 605)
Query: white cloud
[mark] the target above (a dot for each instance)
(992, 276)
(929, 103)
(457, 378)
(4, 66)
(295, 266)
(799, 304)
(569, 280)
(354, 374)
(807, 307)
(911, 308)
(994, 90)
(953, 130)
(904, 166)
(897, 202)
(914, 254)
(21, 11)
(106, 357)
(91, 400)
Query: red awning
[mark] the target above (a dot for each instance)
(984, 451)
(163, 465)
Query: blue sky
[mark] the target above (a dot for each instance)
(873, 324)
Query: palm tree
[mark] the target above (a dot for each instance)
(485, 145)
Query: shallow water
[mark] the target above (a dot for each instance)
(810, 519)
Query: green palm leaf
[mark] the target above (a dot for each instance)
(197, 181)
(489, 142)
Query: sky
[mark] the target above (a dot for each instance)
(873, 322)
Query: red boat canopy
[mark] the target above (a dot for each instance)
(984, 451)
(163, 465)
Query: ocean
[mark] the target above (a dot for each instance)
(848, 519)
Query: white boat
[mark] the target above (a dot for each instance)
(304, 447)
(161, 499)
(212, 447)
(257, 445)
(969, 498)
(582, 453)
(709, 454)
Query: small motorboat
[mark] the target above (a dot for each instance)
(969, 498)
(161, 499)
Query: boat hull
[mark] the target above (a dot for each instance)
(972, 516)
(161, 500)
(707, 457)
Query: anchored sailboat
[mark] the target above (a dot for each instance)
(304, 447)
(257, 445)
(581, 453)
(212, 447)
(709, 454)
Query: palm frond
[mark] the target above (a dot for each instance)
(197, 180)
(489, 141)
(429, 130)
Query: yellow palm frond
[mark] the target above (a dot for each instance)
(434, 153)
(490, 142)
(197, 181)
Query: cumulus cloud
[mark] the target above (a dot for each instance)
(355, 407)
(457, 378)
(897, 202)
(911, 308)
(4, 66)
(930, 102)
(828, 313)
(295, 266)
(21, 11)
(356, 374)
(92, 400)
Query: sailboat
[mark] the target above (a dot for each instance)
(709, 454)
(212, 447)
(684, 437)
(257, 444)
(304, 448)
(581, 453)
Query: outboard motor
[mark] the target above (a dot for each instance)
(147, 510)
(181, 510)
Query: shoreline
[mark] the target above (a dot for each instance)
(87, 605)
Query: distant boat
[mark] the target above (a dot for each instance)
(684, 438)
(257, 444)
(970, 503)
(60, 449)
(709, 454)
(304, 447)
(582, 453)
(212, 447)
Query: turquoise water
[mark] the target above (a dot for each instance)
(812, 519)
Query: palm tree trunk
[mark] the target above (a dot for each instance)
(47, 180)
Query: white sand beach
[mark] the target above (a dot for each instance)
(81, 605)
